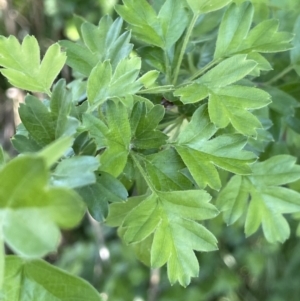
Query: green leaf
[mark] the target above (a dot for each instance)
(107, 189)
(231, 104)
(75, 172)
(206, 6)
(114, 137)
(55, 150)
(104, 84)
(192, 93)
(202, 155)
(45, 126)
(37, 120)
(60, 106)
(36, 279)
(2, 260)
(22, 64)
(282, 102)
(2, 157)
(172, 217)
(228, 72)
(267, 201)
(165, 170)
(143, 126)
(143, 21)
(149, 78)
(101, 43)
(233, 29)
(264, 37)
(295, 51)
(31, 212)
(173, 20)
(162, 30)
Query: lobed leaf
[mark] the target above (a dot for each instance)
(162, 30)
(233, 29)
(171, 217)
(45, 126)
(100, 43)
(202, 155)
(114, 137)
(103, 83)
(267, 201)
(22, 65)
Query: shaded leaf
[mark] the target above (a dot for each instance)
(75, 172)
(107, 189)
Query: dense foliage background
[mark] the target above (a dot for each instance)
(247, 269)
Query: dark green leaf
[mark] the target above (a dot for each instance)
(96, 196)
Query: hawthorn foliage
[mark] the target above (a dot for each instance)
(165, 125)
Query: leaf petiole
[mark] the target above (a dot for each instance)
(183, 48)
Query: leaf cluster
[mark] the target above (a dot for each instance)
(159, 131)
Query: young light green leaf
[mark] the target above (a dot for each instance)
(104, 84)
(31, 212)
(233, 29)
(206, 6)
(149, 78)
(115, 137)
(267, 201)
(107, 189)
(101, 43)
(36, 279)
(202, 155)
(22, 65)
(172, 217)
